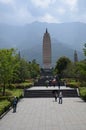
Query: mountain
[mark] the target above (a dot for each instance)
(65, 38)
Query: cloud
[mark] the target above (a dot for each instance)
(80, 17)
(23, 15)
(6, 1)
(61, 10)
(26, 11)
(15, 13)
(49, 18)
(71, 4)
(43, 3)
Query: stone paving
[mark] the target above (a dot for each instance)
(46, 114)
(50, 88)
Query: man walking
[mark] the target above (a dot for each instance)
(60, 98)
(15, 100)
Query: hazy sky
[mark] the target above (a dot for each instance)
(20, 12)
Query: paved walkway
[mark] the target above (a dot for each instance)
(46, 114)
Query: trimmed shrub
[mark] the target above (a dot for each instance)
(11, 86)
(3, 98)
(72, 85)
(4, 106)
(82, 91)
(83, 84)
(6, 101)
(24, 85)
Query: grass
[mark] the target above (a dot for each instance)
(6, 102)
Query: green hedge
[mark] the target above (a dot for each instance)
(23, 85)
(4, 106)
(6, 101)
(72, 85)
(82, 91)
(18, 86)
(3, 98)
(83, 84)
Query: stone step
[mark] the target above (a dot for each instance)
(49, 93)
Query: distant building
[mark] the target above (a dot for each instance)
(46, 50)
(75, 56)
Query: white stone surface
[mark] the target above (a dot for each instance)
(46, 114)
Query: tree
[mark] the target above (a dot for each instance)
(81, 70)
(62, 64)
(33, 69)
(27, 70)
(84, 49)
(22, 72)
(70, 71)
(8, 66)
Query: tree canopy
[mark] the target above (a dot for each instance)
(84, 49)
(7, 66)
(62, 64)
(14, 69)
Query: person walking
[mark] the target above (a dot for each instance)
(54, 82)
(56, 95)
(50, 81)
(60, 98)
(59, 84)
(47, 83)
(15, 101)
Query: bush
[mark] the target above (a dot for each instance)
(11, 86)
(0, 89)
(4, 106)
(24, 85)
(82, 91)
(10, 98)
(3, 98)
(72, 85)
(8, 93)
(6, 101)
(83, 84)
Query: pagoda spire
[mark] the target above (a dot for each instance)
(46, 30)
(75, 56)
(46, 50)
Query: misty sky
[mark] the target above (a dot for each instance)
(20, 12)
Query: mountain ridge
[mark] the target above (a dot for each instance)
(65, 38)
